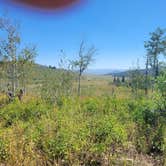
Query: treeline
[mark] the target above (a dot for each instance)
(153, 77)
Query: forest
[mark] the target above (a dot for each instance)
(59, 115)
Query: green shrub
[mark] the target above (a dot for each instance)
(15, 111)
(83, 131)
(161, 87)
(56, 148)
(4, 155)
(105, 134)
(90, 106)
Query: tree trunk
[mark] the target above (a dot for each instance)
(157, 69)
(13, 78)
(79, 84)
(146, 78)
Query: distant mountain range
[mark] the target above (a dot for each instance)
(112, 72)
(127, 72)
(104, 71)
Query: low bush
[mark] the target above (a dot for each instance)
(80, 131)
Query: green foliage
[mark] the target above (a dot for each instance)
(14, 63)
(90, 106)
(59, 129)
(57, 82)
(56, 148)
(4, 154)
(155, 46)
(85, 58)
(109, 132)
(137, 81)
(150, 126)
(117, 81)
(21, 111)
(82, 131)
(161, 87)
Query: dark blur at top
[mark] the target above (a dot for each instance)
(45, 5)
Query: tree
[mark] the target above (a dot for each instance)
(58, 82)
(25, 62)
(146, 75)
(123, 79)
(8, 48)
(114, 80)
(85, 58)
(14, 61)
(136, 80)
(118, 82)
(155, 46)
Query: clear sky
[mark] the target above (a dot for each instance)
(117, 28)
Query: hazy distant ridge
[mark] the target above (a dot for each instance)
(103, 71)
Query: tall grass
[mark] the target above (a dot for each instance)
(80, 131)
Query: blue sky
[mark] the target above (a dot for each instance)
(117, 28)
